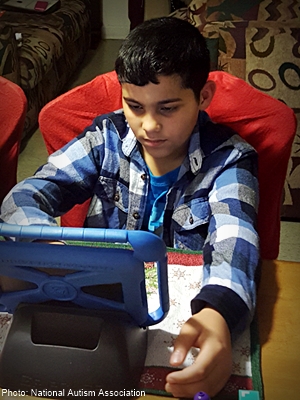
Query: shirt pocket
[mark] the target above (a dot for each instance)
(190, 215)
(190, 222)
(113, 193)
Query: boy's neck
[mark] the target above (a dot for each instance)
(160, 167)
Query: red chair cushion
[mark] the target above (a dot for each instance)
(66, 116)
(13, 106)
(269, 126)
(266, 123)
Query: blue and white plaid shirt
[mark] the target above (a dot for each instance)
(211, 207)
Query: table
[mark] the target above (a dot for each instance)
(279, 326)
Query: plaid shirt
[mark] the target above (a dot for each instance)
(212, 206)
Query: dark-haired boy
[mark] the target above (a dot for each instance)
(162, 165)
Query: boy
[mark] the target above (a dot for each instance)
(161, 165)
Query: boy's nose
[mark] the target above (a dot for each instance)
(150, 124)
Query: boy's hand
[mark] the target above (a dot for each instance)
(208, 331)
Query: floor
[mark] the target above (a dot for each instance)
(99, 61)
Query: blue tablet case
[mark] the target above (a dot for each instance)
(92, 266)
(65, 338)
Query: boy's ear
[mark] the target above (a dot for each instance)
(207, 94)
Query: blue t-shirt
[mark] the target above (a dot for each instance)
(156, 200)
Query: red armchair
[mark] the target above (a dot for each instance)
(13, 105)
(266, 123)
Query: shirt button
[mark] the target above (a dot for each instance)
(191, 220)
(136, 215)
(144, 177)
(117, 197)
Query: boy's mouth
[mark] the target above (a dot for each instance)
(154, 142)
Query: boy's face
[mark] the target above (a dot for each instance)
(162, 117)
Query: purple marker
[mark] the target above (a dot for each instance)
(201, 396)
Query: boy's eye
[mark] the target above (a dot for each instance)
(135, 107)
(168, 109)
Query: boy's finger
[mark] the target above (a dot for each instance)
(199, 370)
(185, 340)
(209, 378)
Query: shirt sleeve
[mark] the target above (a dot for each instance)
(231, 250)
(68, 178)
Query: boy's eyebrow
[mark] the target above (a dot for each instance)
(166, 101)
(170, 100)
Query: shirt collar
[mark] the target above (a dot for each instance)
(129, 142)
(195, 152)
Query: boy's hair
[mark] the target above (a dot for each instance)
(164, 46)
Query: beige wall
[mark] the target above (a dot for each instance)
(115, 19)
(156, 8)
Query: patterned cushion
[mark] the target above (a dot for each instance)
(267, 67)
(49, 51)
(9, 66)
(67, 21)
(211, 34)
(45, 38)
(232, 51)
(291, 203)
(266, 55)
(259, 41)
(37, 54)
(273, 66)
(202, 12)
